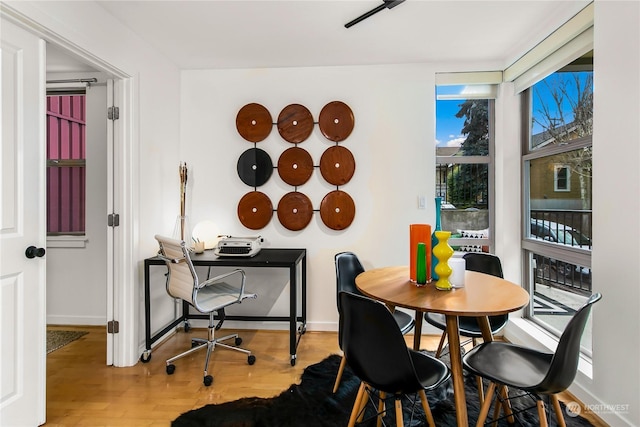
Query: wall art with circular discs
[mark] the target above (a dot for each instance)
(295, 166)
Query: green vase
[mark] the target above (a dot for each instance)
(434, 240)
(442, 251)
(421, 264)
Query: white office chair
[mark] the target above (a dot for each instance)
(208, 297)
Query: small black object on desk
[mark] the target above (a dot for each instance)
(267, 257)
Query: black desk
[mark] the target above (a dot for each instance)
(268, 257)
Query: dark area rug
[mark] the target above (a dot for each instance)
(57, 339)
(312, 404)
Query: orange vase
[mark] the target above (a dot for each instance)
(419, 233)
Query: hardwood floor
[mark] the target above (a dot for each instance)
(83, 391)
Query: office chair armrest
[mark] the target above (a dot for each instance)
(172, 260)
(224, 276)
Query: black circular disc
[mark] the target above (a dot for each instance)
(255, 167)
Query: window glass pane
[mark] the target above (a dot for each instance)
(561, 216)
(559, 289)
(562, 108)
(462, 127)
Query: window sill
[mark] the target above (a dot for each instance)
(524, 332)
(67, 241)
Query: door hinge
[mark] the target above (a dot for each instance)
(113, 327)
(113, 220)
(113, 113)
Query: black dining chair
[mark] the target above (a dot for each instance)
(348, 266)
(377, 353)
(469, 326)
(535, 372)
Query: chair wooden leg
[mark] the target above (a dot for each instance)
(381, 408)
(399, 420)
(441, 344)
(542, 414)
(363, 403)
(558, 410)
(357, 405)
(343, 363)
(484, 410)
(506, 404)
(426, 409)
(480, 389)
(496, 413)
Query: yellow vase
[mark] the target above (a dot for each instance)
(442, 251)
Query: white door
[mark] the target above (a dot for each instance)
(22, 225)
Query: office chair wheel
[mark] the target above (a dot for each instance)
(251, 359)
(171, 369)
(238, 340)
(208, 380)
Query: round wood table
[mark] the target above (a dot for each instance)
(483, 295)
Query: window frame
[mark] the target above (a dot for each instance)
(67, 238)
(532, 246)
(489, 94)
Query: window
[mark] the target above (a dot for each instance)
(557, 164)
(561, 180)
(66, 161)
(464, 167)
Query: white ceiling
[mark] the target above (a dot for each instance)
(276, 33)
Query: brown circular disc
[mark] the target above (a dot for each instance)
(295, 166)
(255, 210)
(337, 210)
(337, 165)
(254, 122)
(295, 211)
(336, 121)
(295, 123)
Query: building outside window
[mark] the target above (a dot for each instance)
(66, 161)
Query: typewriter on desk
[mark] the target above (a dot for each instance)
(230, 246)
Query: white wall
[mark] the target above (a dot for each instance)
(616, 209)
(392, 142)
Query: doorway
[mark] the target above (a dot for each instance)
(78, 259)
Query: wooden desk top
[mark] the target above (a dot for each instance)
(483, 295)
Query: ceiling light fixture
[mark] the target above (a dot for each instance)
(388, 4)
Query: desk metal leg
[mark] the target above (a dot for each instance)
(456, 371)
(293, 308)
(293, 313)
(146, 356)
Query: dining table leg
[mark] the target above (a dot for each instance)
(417, 330)
(457, 374)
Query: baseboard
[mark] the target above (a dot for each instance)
(76, 320)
